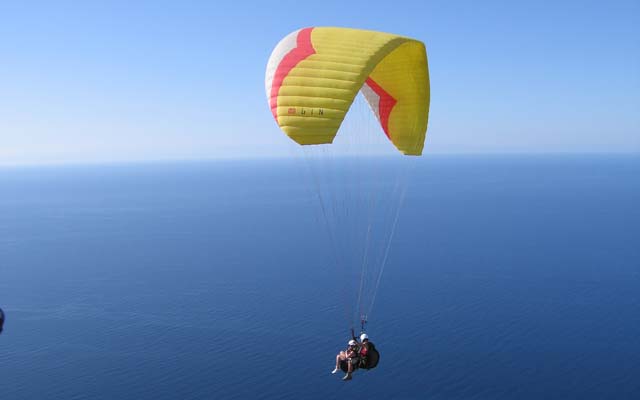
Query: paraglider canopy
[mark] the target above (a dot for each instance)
(314, 75)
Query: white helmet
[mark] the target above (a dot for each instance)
(363, 337)
(352, 342)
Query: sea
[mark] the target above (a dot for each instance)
(508, 277)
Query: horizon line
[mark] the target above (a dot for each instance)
(172, 160)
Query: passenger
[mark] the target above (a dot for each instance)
(350, 355)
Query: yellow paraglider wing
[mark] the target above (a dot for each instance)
(314, 74)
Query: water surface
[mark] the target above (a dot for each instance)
(509, 277)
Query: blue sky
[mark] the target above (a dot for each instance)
(114, 81)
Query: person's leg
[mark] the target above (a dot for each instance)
(339, 357)
(349, 371)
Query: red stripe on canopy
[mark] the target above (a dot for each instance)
(303, 49)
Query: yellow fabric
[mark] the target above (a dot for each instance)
(403, 73)
(317, 92)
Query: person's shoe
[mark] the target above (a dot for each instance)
(347, 377)
(335, 370)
